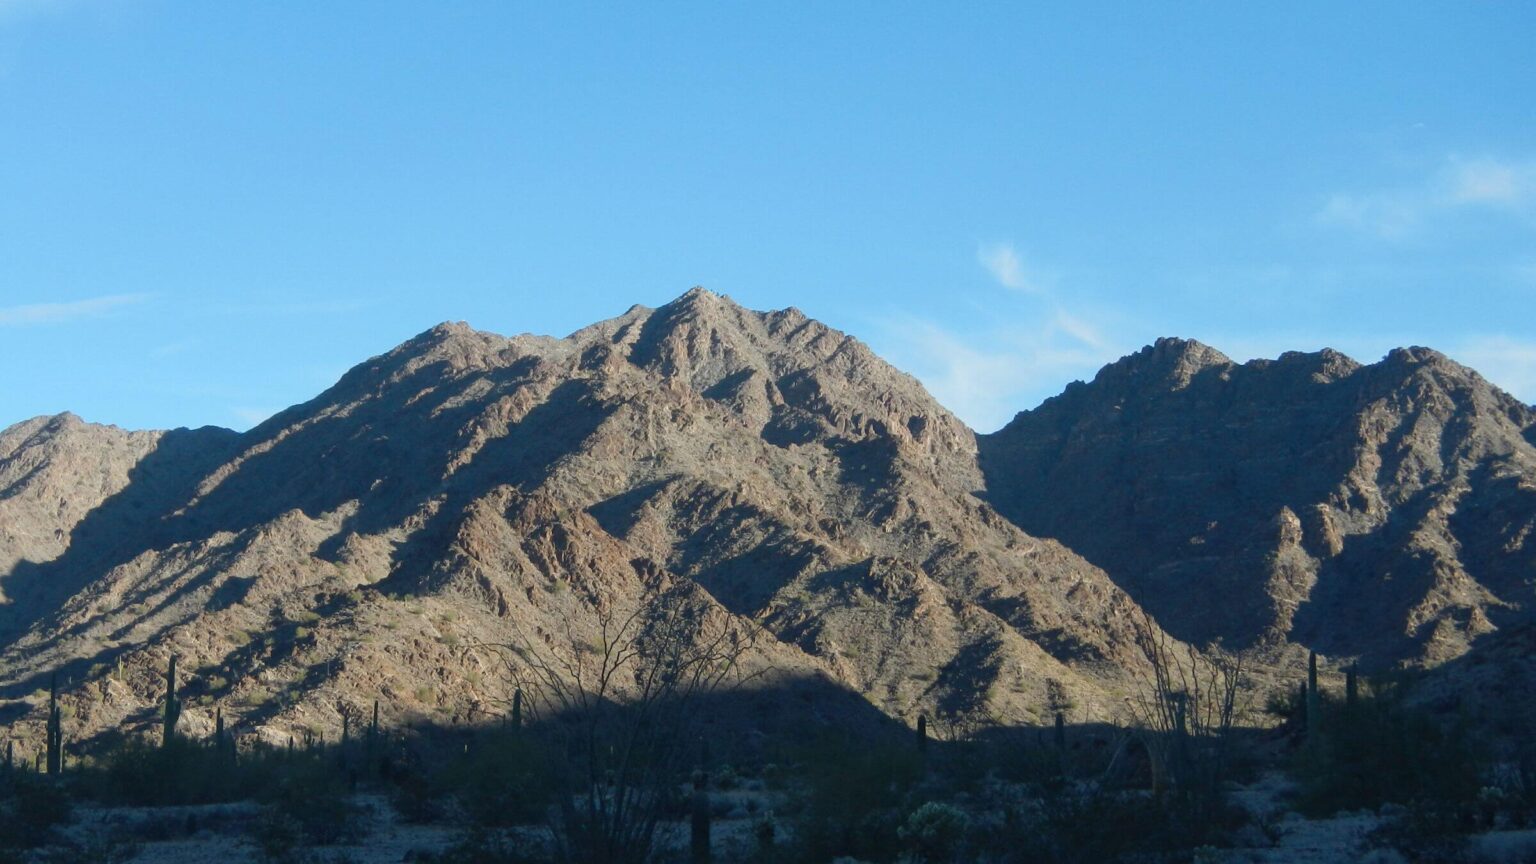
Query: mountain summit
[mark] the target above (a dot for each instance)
(1380, 511)
(468, 488)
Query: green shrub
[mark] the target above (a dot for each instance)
(504, 780)
(30, 808)
(314, 796)
(135, 773)
(933, 834)
(1383, 751)
(854, 800)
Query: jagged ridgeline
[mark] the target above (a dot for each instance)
(1380, 511)
(468, 488)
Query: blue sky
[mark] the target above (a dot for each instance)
(208, 211)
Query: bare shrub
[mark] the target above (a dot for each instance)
(620, 710)
(1185, 709)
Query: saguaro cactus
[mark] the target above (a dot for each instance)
(223, 743)
(172, 705)
(922, 735)
(517, 709)
(1314, 699)
(698, 838)
(54, 732)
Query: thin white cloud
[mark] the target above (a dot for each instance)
(251, 416)
(1022, 353)
(1016, 358)
(1457, 185)
(1002, 261)
(1389, 215)
(63, 313)
(987, 376)
(1491, 181)
(1084, 332)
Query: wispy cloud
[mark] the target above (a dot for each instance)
(1490, 181)
(250, 417)
(1457, 185)
(1390, 215)
(987, 377)
(1002, 261)
(63, 313)
(1024, 349)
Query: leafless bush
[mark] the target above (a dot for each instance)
(1185, 708)
(621, 709)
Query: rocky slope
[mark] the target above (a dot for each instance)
(468, 488)
(1380, 511)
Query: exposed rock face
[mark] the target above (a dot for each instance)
(64, 488)
(468, 488)
(1382, 511)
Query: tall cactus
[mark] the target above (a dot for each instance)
(698, 837)
(517, 709)
(10, 756)
(371, 743)
(922, 735)
(223, 742)
(54, 732)
(1314, 699)
(172, 711)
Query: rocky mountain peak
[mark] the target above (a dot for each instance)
(1169, 363)
(1171, 468)
(466, 487)
(520, 485)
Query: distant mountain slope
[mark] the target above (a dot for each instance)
(1383, 511)
(65, 488)
(467, 488)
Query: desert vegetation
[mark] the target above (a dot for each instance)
(600, 757)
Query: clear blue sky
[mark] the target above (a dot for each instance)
(209, 210)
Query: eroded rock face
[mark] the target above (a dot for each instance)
(468, 488)
(1382, 511)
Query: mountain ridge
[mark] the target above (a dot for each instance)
(1314, 449)
(465, 486)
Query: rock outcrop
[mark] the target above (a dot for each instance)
(1379, 511)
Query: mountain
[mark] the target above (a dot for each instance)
(467, 488)
(1383, 512)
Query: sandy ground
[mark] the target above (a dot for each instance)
(219, 833)
(1299, 840)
